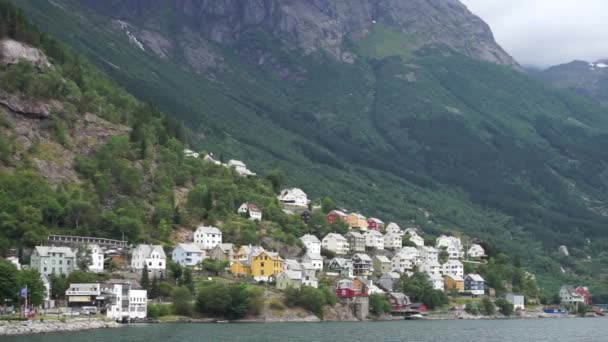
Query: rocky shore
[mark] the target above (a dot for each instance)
(52, 326)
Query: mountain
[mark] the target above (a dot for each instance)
(402, 109)
(585, 78)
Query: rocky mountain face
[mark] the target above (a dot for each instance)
(586, 78)
(309, 26)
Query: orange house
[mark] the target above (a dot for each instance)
(357, 221)
(453, 282)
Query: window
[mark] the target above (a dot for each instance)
(262, 273)
(262, 265)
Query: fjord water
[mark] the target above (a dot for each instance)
(554, 330)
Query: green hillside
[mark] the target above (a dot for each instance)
(428, 137)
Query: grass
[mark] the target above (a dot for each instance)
(385, 42)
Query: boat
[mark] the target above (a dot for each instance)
(222, 321)
(415, 317)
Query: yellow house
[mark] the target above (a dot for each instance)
(240, 268)
(453, 282)
(356, 220)
(266, 264)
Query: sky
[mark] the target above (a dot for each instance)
(542, 33)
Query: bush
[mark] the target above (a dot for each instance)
(182, 301)
(310, 298)
(277, 306)
(158, 310)
(233, 301)
(379, 304)
(471, 308)
(487, 307)
(504, 306)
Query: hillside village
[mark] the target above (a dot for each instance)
(372, 259)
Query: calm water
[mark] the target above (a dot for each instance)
(575, 329)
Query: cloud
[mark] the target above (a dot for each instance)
(547, 32)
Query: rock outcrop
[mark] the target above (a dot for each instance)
(12, 51)
(309, 26)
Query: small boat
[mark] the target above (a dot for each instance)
(415, 317)
(222, 321)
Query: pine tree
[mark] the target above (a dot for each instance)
(145, 278)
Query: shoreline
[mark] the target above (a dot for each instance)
(35, 326)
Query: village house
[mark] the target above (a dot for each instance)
(351, 288)
(335, 243)
(357, 221)
(356, 241)
(476, 251)
(314, 260)
(453, 267)
(393, 228)
(312, 244)
(437, 281)
(388, 280)
(399, 302)
(428, 254)
(82, 294)
(266, 264)
(569, 294)
(402, 263)
(288, 279)
(362, 264)
(517, 300)
(128, 303)
(452, 245)
(223, 252)
(243, 260)
(432, 268)
(474, 284)
(417, 240)
(412, 253)
(96, 257)
(294, 197)
(373, 289)
(374, 239)
(190, 153)
(240, 168)
(454, 283)
(392, 241)
(53, 260)
(188, 254)
(335, 215)
(375, 224)
(250, 210)
(382, 264)
(207, 237)
(341, 266)
(151, 256)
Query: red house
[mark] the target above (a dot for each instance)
(583, 291)
(349, 288)
(375, 224)
(336, 214)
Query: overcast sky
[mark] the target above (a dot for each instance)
(547, 32)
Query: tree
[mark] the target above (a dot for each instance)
(379, 304)
(420, 289)
(35, 288)
(182, 301)
(176, 271)
(278, 179)
(9, 282)
(504, 306)
(164, 230)
(187, 279)
(214, 266)
(327, 205)
(145, 278)
(83, 258)
(582, 309)
(471, 308)
(487, 307)
(154, 291)
(443, 255)
(59, 284)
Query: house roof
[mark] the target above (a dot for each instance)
(429, 249)
(357, 215)
(341, 261)
(377, 220)
(382, 258)
(312, 256)
(355, 234)
(400, 297)
(45, 250)
(392, 275)
(208, 230)
(293, 275)
(432, 263)
(455, 277)
(310, 238)
(409, 249)
(392, 226)
(362, 257)
(338, 212)
(453, 262)
(233, 162)
(294, 192)
(226, 246)
(146, 250)
(373, 232)
(292, 264)
(475, 277)
(189, 247)
(334, 236)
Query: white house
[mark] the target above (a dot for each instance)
(251, 210)
(53, 260)
(14, 261)
(188, 254)
(392, 241)
(569, 295)
(314, 260)
(437, 281)
(517, 300)
(336, 243)
(432, 268)
(129, 304)
(312, 244)
(152, 256)
(412, 253)
(402, 263)
(295, 197)
(393, 228)
(240, 168)
(453, 267)
(428, 253)
(97, 258)
(190, 153)
(476, 251)
(207, 237)
(453, 245)
(374, 239)
(417, 240)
